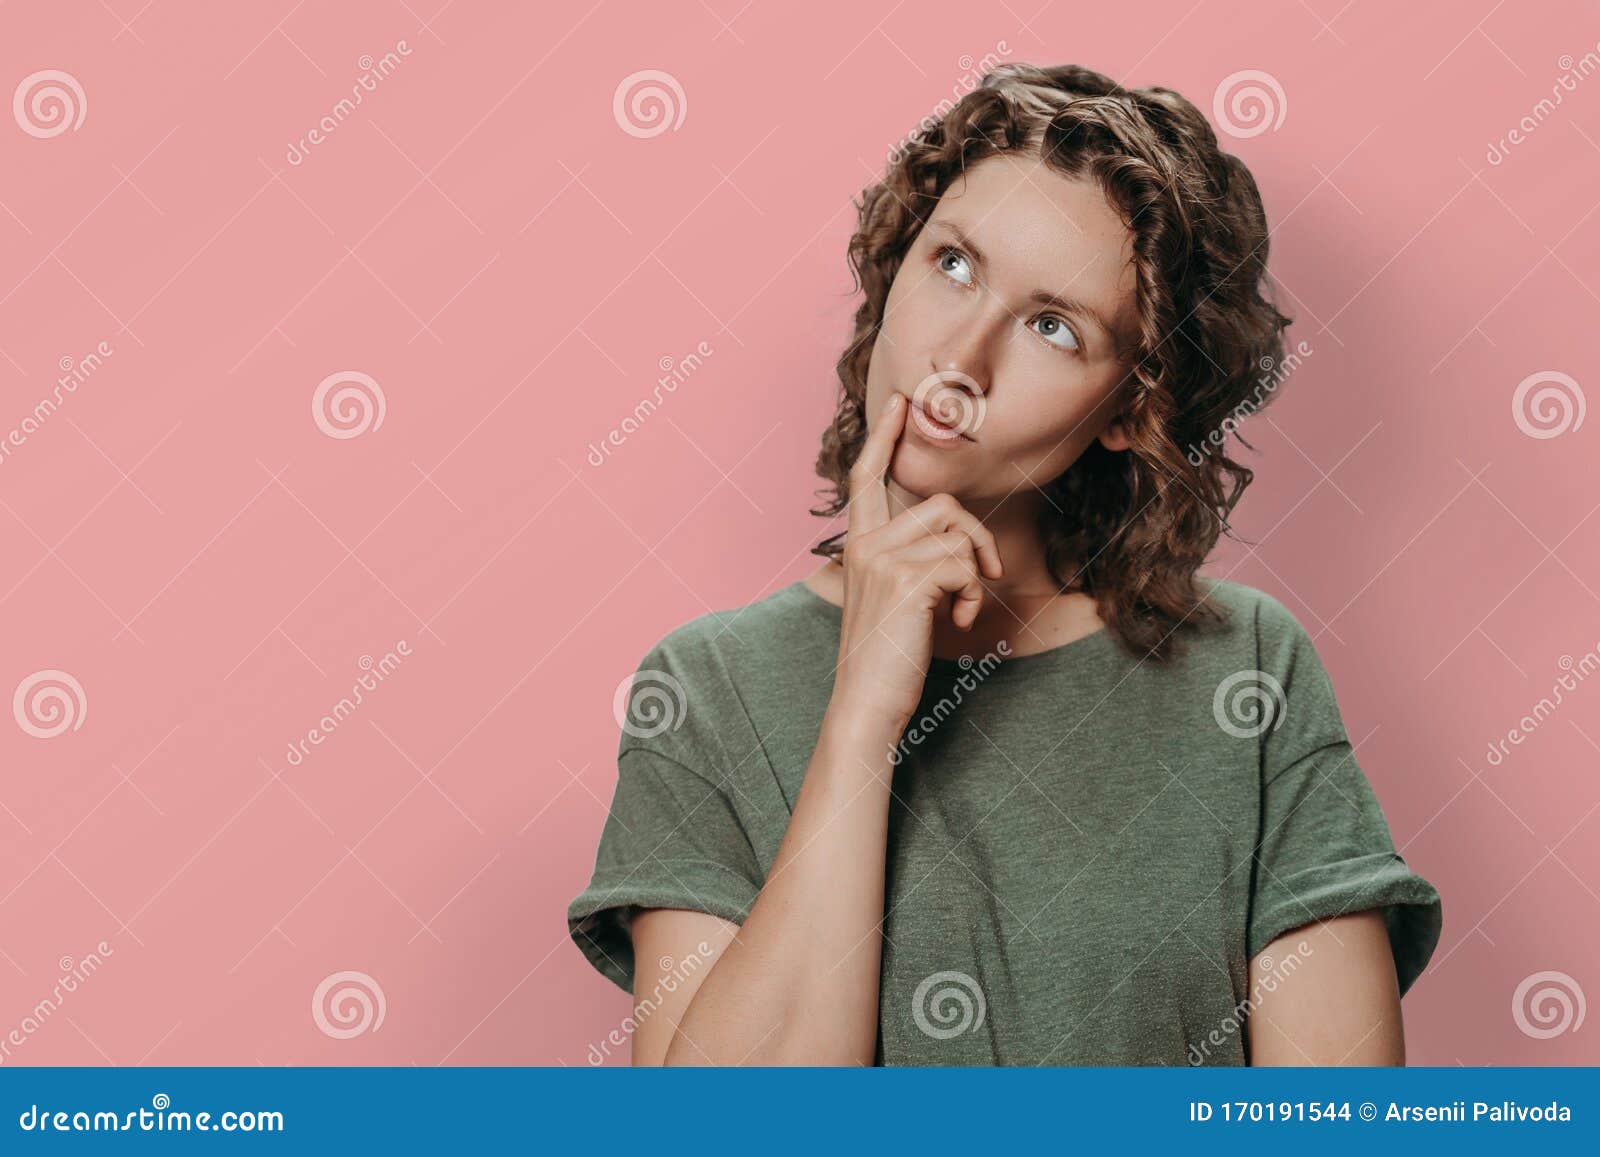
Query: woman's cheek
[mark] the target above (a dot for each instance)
(1043, 456)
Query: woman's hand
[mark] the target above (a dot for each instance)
(897, 573)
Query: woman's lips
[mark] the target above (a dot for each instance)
(933, 429)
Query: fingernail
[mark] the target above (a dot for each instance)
(888, 407)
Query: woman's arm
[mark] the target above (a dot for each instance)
(1326, 994)
(798, 983)
(664, 939)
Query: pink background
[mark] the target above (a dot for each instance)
(483, 239)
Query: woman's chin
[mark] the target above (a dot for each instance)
(919, 478)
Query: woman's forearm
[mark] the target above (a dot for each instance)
(799, 984)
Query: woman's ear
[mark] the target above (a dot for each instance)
(1114, 436)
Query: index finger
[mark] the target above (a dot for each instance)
(869, 501)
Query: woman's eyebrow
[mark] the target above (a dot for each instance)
(1039, 296)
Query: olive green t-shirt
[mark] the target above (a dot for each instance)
(1085, 850)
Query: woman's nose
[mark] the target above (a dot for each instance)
(964, 354)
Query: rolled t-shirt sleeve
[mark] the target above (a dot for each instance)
(1325, 848)
(672, 839)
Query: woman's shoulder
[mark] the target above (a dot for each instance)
(1247, 607)
(699, 689)
(1252, 622)
(789, 625)
(1261, 640)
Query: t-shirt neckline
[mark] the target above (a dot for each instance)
(1034, 660)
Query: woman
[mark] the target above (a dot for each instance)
(1004, 781)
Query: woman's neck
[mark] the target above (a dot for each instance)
(1025, 609)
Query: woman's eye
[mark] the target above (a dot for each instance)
(1056, 332)
(952, 263)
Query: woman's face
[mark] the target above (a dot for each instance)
(971, 332)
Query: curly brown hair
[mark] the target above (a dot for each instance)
(1129, 528)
